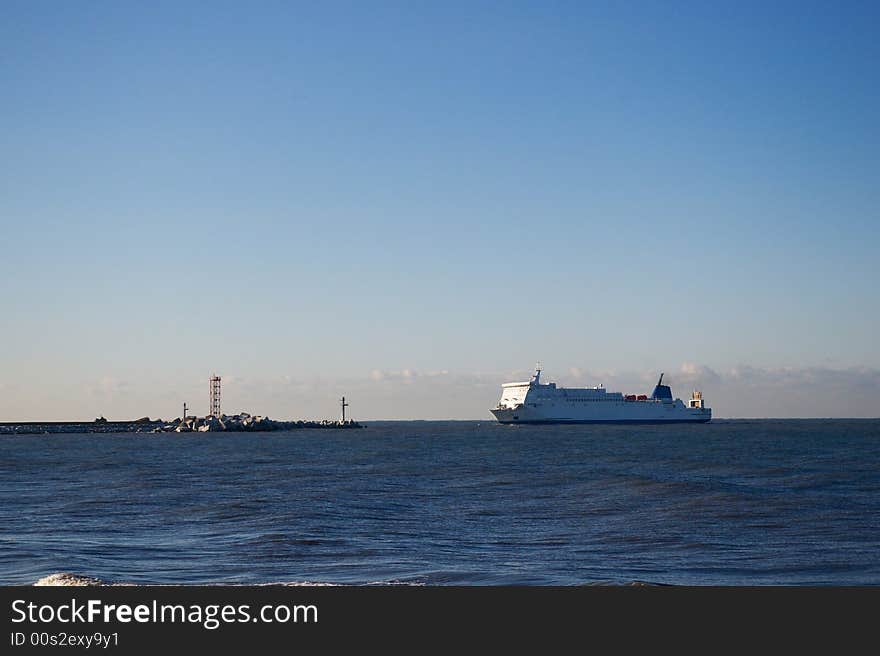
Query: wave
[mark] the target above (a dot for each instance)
(626, 584)
(69, 579)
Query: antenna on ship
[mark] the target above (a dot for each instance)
(537, 376)
(344, 406)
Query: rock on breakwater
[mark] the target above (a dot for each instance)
(245, 422)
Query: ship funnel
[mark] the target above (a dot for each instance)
(662, 391)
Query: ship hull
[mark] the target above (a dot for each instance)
(649, 413)
(604, 421)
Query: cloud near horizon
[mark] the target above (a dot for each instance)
(108, 387)
(748, 391)
(406, 376)
(741, 391)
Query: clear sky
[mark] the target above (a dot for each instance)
(411, 202)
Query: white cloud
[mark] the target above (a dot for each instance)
(860, 377)
(692, 373)
(108, 386)
(408, 393)
(406, 376)
(749, 391)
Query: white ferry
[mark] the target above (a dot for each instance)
(534, 402)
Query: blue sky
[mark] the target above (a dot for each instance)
(411, 202)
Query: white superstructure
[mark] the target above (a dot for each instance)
(534, 402)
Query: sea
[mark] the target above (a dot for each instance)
(732, 502)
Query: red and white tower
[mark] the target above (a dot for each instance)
(215, 396)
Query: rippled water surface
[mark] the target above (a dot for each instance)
(731, 502)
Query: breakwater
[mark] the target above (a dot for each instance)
(237, 423)
(52, 427)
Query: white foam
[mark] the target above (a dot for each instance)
(66, 578)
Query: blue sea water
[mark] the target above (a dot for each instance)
(731, 502)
